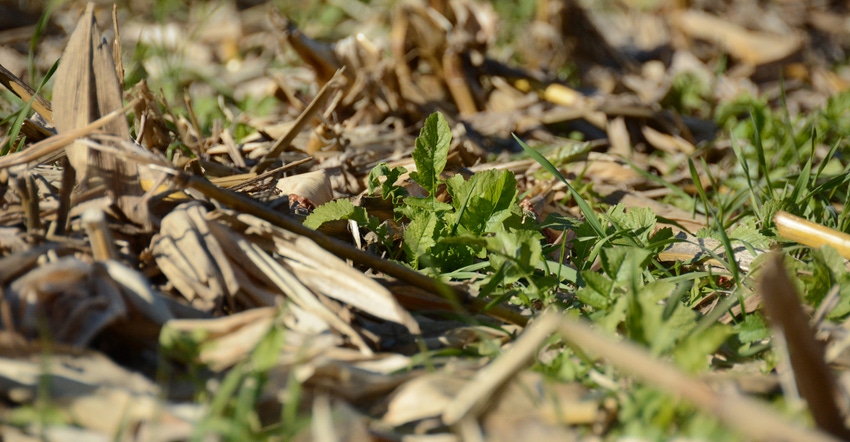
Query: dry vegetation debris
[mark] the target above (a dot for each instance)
(159, 272)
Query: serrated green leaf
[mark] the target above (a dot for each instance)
(597, 292)
(431, 152)
(388, 188)
(340, 209)
(661, 334)
(482, 203)
(619, 263)
(412, 206)
(520, 248)
(523, 245)
(692, 353)
(638, 221)
(419, 236)
(749, 234)
(752, 329)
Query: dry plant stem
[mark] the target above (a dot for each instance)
(456, 82)
(811, 374)
(283, 142)
(269, 173)
(116, 47)
(244, 204)
(69, 177)
(94, 221)
(752, 418)
(808, 233)
(187, 100)
(37, 152)
(34, 218)
(26, 93)
(475, 395)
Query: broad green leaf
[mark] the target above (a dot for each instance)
(584, 246)
(431, 152)
(523, 245)
(611, 318)
(661, 238)
(449, 257)
(518, 252)
(662, 334)
(749, 234)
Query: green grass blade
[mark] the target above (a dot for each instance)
(700, 191)
(589, 215)
(826, 159)
(761, 158)
(802, 181)
(742, 160)
(40, 26)
(23, 112)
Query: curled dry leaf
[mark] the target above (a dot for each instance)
(751, 47)
(424, 397)
(225, 340)
(75, 299)
(332, 276)
(102, 396)
(207, 261)
(152, 131)
(295, 290)
(192, 259)
(314, 187)
(79, 300)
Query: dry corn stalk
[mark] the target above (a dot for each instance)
(87, 88)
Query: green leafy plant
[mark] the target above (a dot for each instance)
(480, 226)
